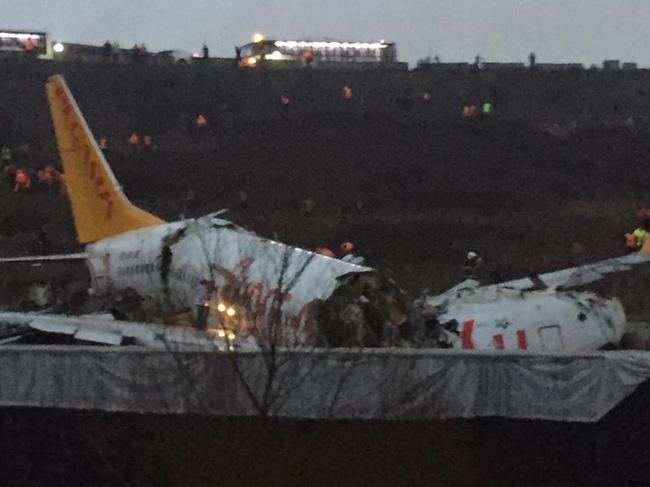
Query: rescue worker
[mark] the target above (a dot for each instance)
(135, 53)
(52, 175)
(201, 121)
(243, 200)
(348, 256)
(346, 248)
(41, 176)
(472, 266)
(107, 50)
(309, 204)
(202, 304)
(147, 142)
(22, 181)
(134, 140)
(487, 108)
(115, 51)
(29, 46)
(325, 251)
(634, 241)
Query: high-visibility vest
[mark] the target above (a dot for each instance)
(640, 235)
(325, 251)
(487, 108)
(22, 179)
(347, 247)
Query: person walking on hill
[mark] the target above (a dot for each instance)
(134, 141)
(473, 266)
(107, 50)
(22, 181)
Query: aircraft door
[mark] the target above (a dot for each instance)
(551, 337)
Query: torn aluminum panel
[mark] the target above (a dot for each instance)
(104, 330)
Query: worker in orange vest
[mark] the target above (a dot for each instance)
(52, 175)
(347, 247)
(134, 140)
(324, 251)
(348, 256)
(40, 175)
(22, 181)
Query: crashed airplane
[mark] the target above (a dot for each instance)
(262, 291)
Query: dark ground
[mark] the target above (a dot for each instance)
(45, 447)
(552, 179)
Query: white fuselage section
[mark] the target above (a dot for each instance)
(166, 264)
(498, 318)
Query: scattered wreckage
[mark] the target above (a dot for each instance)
(266, 293)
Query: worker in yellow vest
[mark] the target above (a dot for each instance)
(634, 241)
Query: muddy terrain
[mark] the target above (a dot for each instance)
(552, 178)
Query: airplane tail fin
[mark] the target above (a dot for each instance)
(99, 207)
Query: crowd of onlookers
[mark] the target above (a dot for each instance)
(20, 179)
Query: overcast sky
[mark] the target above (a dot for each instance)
(586, 31)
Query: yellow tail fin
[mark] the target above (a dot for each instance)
(99, 206)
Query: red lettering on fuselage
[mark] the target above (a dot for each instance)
(466, 334)
(265, 305)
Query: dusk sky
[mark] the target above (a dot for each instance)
(586, 31)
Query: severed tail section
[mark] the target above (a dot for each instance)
(99, 206)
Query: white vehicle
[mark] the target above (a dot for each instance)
(181, 58)
(168, 265)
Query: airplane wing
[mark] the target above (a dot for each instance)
(579, 276)
(44, 258)
(103, 329)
